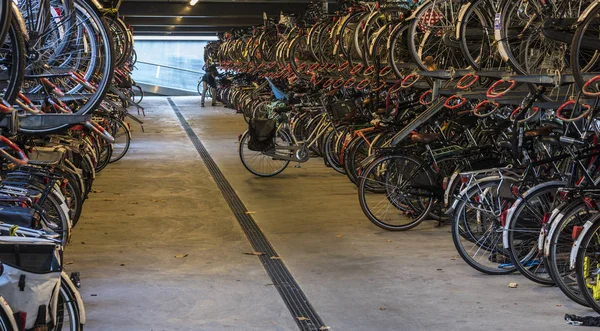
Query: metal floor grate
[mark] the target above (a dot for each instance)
(303, 312)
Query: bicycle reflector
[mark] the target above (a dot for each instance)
(503, 217)
(464, 178)
(546, 218)
(21, 319)
(515, 190)
(590, 203)
(576, 231)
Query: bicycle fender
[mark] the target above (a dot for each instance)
(16, 14)
(511, 211)
(9, 313)
(97, 4)
(67, 280)
(587, 11)
(554, 220)
(449, 184)
(461, 15)
(498, 36)
(393, 33)
(577, 244)
(478, 182)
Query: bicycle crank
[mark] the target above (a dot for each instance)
(302, 155)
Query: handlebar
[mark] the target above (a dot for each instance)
(448, 103)
(97, 128)
(481, 105)
(493, 94)
(22, 158)
(414, 76)
(467, 81)
(569, 103)
(423, 96)
(587, 85)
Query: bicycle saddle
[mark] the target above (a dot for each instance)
(541, 132)
(425, 138)
(49, 123)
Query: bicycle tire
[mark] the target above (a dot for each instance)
(119, 129)
(496, 262)
(563, 234)
(7, 322)
(382, 172)
(523, 230)
(243, 145)
(68, 306)
(331, 148)
(583, 264)
(14, 61)
(577, 47)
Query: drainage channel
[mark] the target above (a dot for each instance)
(302, 311)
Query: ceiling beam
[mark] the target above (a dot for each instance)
(165, 33)
(181, 29)
(193, 22)
(202, 9)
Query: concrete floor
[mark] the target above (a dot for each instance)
(160, 201)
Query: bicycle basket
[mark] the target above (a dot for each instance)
(340, 110)
(30, 279)
(262, 134)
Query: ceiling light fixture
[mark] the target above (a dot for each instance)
(193, 2)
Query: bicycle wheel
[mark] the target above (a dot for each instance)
(357, 151)
(475, 30)
(432, 36)
(13, 57)
(587, 264)
(5, 18)
(265, 164)
(137, 92)
(477, 229)
(78, 41)
(73, 196)
(523, 231)
(405, 197)
(522, 34)
(346, 37)
(122, 40)
(397, 44)
(105, 151)
(585, 51)
(120, 131)
(55, 215)
(68, 310)
(561, 242)
(332, 147)
(7, 322)
(312, 129)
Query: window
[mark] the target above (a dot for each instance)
(171, 63)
